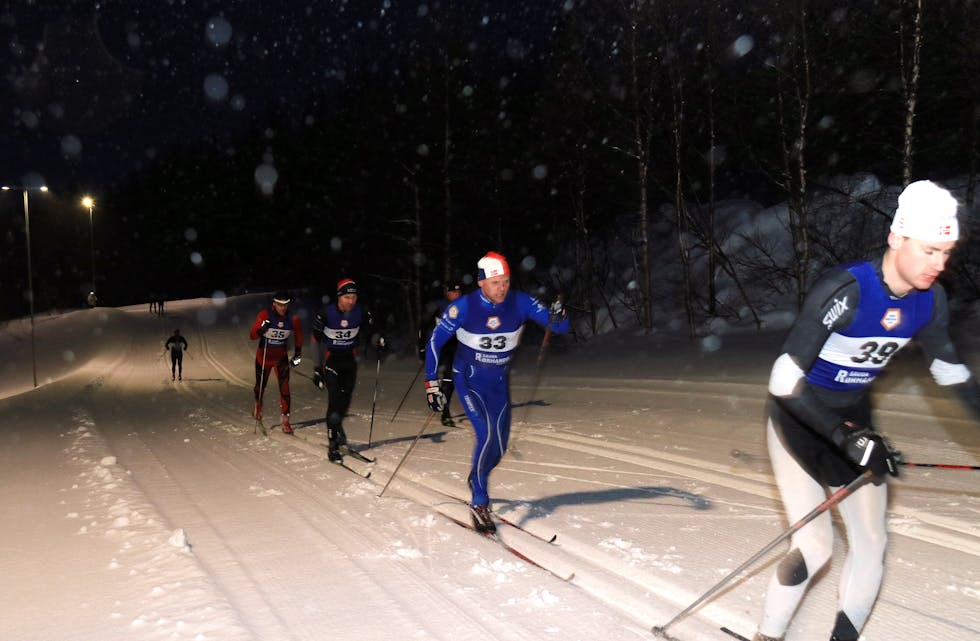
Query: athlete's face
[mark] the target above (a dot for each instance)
(495, 288)
(915, 264)
(453, 294)
(346, 302)
(280, 308)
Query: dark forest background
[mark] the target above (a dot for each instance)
(547, 133)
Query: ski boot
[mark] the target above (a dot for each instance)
(482, 522)
(447, 418)
(258, 410)
(336, 441)
(286, 427)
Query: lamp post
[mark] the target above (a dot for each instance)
(90, 204)
(30, 271)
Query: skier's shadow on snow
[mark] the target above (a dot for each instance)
(435, 437)
(647, 494)
(538, 403)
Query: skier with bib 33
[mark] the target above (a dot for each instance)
(488, 323)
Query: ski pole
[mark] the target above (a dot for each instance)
(832, 500)
(374, 401)
(515, 433)
(943, 466)
(407, 392)
(537, 372)
(255, 428)
(405, 456)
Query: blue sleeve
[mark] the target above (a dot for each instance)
(445, 329)
(535, 310)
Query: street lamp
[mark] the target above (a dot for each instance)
(88, 202)
(30, 271)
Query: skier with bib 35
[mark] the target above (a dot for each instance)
(273, 327)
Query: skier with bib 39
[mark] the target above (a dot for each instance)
(488, 323)
(819, 431)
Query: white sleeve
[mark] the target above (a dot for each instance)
(948, 373)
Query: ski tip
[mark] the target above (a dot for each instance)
(554, 537)
(732, 633)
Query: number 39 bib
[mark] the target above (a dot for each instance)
(853, 356)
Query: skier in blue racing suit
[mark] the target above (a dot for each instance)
(488, 323)
(819, 430)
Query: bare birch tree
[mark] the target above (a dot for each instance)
(911, 69)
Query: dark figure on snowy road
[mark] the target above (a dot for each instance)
(176, 344)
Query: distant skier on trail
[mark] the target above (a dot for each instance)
(454, 289)
(273, 327)
(176, 344)
(819, 430)
(337, 334)
(488, 323)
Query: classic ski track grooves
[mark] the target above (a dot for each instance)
(226, 567)
(301, 503)
(950, 533)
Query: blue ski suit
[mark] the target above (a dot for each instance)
(488, 335)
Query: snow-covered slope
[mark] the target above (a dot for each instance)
(137, 508)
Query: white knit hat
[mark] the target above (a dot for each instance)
(927, 212)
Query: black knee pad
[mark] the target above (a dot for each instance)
(844, 630)
(792, 569)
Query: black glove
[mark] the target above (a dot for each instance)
(318, 323)
(434, 396)
(556, 313)
(296, 360)
(866, 448)
(318, 378)
(264, 327)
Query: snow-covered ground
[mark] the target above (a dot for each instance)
(137, 508)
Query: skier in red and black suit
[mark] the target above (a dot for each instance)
(272, 328)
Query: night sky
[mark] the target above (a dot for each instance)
(97, 90)
(231, 145)
(101, 94)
